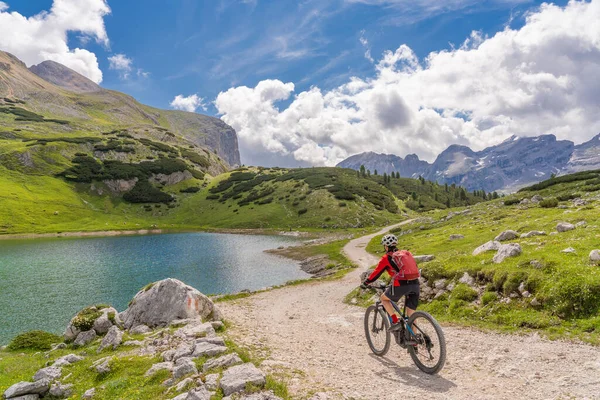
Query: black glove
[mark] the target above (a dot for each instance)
(364, 286)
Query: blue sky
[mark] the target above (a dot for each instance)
(312, 82)
(205, 47)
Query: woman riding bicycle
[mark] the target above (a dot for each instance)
(400, 287)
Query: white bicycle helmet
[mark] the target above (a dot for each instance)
(389, 240)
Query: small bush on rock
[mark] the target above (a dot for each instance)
(464, 292)
(84, 321)
(34, 340)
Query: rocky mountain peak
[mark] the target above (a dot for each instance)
(64, 77)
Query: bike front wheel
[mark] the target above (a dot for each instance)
(429, 352)
(376, 330)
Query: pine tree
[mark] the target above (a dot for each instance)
(375, 172)
(362, 171)
(446, 187)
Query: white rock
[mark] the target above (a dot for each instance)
(58, 390)
(208, 349)
(181, 385)
(168, 300)
(22, 388)
(159, 367)
(457, 237)
(223, 361)
(113, 339)
(451, 286)
(49, 373)
(489, 246)
(533, 233)
(507, 235)
(595, 256)
(568, 250)
(467, 279)
(535, 302)
(537, 198)
(199, 394)
(212, 381)
(237, 377)
(140, 329)
(90, 393)
(507, 250)
(439, 284)
(103, 323)
(184, 366)
(184, 350)
(580, 224)
(85, 338)
(67, 360)
(102, 366)
(522, 287)
(564, 227)
(424, 258)
(196, 331)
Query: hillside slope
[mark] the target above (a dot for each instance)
(62, 94)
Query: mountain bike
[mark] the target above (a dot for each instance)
(420, 334)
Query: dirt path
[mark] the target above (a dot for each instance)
(318, 343)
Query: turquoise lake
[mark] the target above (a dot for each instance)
(44, 282)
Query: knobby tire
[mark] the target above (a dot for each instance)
(377, 330)
(423, 351)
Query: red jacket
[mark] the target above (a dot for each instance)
(384, 265)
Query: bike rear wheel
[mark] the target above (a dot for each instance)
(429, 354)
(376, 330)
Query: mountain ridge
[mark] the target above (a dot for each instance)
(514, 163)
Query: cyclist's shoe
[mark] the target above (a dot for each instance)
(395, 327)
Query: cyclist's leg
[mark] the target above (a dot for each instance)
(387, 304)
(412, 301)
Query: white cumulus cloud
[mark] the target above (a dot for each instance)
(189, 103)
(541, 78)
(122, 64)
(44, 36)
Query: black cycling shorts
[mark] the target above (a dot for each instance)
(411, 291)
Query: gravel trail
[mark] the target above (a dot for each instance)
(318, 343)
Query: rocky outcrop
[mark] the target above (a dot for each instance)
(64, 77)
(171, 179)
(27, 388)
(507, 235)
(492, 245)
(165, 301)
(113, 339)
(409, 167)
(119, 186)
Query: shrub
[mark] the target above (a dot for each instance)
(196, 158)
(433, 271)
(342, 204)
(510, 202)
(464, 292)
(573, 295)
(84, 321)
(144, 192)
(302, 211)
(512, 282)
(566, 197)
(34, 340)
(549, 203)
(193, 189)
(488, 297)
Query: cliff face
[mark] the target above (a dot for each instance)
(512, 164)
(58, 92)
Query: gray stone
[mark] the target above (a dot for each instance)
(184, 366)
(569, 250)
(113, 338)
(223, 361)
(451, 286)
(439, 294)
(424, 258)
(22, 388)
(133, 343)
(507, 235)
(196, 331)
(61, 391)
(102, 366)
(489, 246)
(579, 202)
(595, 256)
(182, 396)
(467, 279)
(168, 300)
(535, 302)
(159, 367)
(237, 377)
(103, 323)
(507, 250)
(580, 224)
(212, 381)
(67, 360)
(187, 321)
(26, 397)
(536, 264)
(208, 349)
(537, 198)
(140, 329)
(200, 393)
(564, 227)
(183, 384)
(85, 338)
(168, 355)
(49, 373)
(90, 393)
(440, 284)
(533, 233)
(71, 332)
(217, 325)
(184, 350)
(457, 237)
(262, 396)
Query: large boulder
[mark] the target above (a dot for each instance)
(492, 245)
(507, 235)
(507, 250)
(98, 318)
(167, 300)
(25, 388)
(236, 378)
(49, 373)
(113, 339)
(85, 338)
(109, 318)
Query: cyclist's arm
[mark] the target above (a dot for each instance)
(381, 267)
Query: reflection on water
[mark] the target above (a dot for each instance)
(43, 282)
